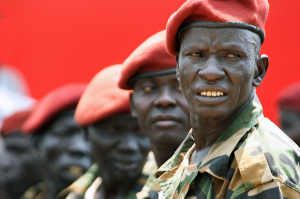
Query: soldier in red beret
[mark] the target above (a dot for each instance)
(232, 150)
(157, 101)
(119, 147)
(64, 152)
(19, 168)
(289, 106)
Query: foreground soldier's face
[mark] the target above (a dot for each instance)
(119, 148)
(161, 109)
(217, 69)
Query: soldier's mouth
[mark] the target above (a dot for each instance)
(75, 170)
(125, 164)
(212, 93)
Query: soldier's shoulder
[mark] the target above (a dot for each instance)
(267, 157)
(282, 154)
(270, 134)
(274, 142)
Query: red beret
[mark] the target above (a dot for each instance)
(102, 98)
(57, 101)
(149, 59)
(289, 98)
(14, 123)
(246, 14)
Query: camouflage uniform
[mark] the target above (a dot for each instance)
(80, 187)
(151, 187)
(252, 159)
(35, 192)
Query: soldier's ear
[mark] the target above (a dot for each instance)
(132, 106)
(36, 141)
(177, 68)
(262, 64)
(85, 133)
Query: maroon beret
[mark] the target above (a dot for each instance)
(102, 98)
(246, 14)
(14, 122)
(289, 98)
(62, 99)
(149, 59)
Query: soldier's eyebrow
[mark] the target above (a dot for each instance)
(231, 46)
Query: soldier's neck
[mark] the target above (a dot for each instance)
(113, 190)
(206, 131)
(52, 190)
(162, 154)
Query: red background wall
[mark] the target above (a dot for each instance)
(54, 42)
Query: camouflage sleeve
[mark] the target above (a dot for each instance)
(274, 190)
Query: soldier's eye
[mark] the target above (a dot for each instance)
(233, 55)
(196, 55)
(111, 129)
(148, 88)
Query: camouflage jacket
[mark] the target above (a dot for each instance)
(80, 188)
(39, 191)
(252, 159)
(151, 187)
(35, 192)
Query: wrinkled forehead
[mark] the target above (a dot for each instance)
(218, 36)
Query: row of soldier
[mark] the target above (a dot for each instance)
(94, 141)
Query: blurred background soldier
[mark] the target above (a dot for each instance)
(289, 107)
(19, 168)
(119, 147)
(64, 153)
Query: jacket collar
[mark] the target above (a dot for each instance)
(216, 163)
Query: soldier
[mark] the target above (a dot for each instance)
(64, 153)
(289, 106)
(19, 168)
(119, 147)
(156, 101)
(232, 150)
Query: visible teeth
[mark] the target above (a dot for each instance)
(212, 93)
(76, 170)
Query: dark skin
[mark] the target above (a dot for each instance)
(18, 166)
(162, 112)
(3, 193)
(64, 154)
(121, 150)
(290, 124)
(218, 59)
